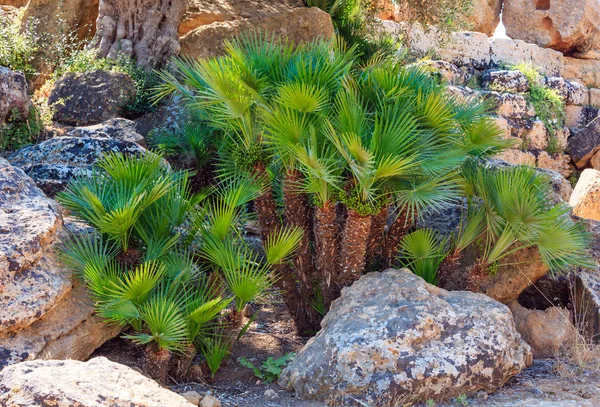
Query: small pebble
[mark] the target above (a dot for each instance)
(271, 394)
(210, 401)
(192, 396)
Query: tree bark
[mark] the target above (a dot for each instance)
(145, 30)
(297, 214)
(374, 253)
(327, 232)
(397, 231)
(353, 247)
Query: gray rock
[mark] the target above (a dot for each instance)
(391, 336)
(587, 304)
(96, 383)
(446, 71)
(559, 85)
(119, 129)
(505, 81)
(583, 143)
(169, 116)
(91, 97)
(577, 93)
(54, 162)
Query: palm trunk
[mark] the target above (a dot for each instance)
(327, 232)
(397, 231)
(181, 363)
(448, 268)
(306, 319)
(376, 239)
(297, 214)
(156, 363)
(353, 247)
(266, 208)
(296, 298)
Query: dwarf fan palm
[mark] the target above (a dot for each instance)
(343, 145)
(150, 269)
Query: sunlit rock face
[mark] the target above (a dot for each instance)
(392, 336)
(563, 25)
(45, 312)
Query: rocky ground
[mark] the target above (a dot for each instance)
(551, 382)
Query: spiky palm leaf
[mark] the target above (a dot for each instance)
(422, 252)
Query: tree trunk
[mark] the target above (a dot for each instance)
(266, 209)
(327, 232)
(156, 363)
(145, 30)
(306, 319)
(397, 231)
(374, 254)
(297, 214)
(354, 246)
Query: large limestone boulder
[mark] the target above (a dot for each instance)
(563, 25)
(485, 16)
(29, 223)
(204, 12)
(44, 311)
(509, 51)
(14, 100)
(298, 25)
(56, 17)
(464, 48)
(391, 336)
(118, 129)
(54, 162)
(96, 383)
(586, 195)
(91, 97)
(586, 71)
(547, 331)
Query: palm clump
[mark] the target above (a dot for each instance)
(350, 154)
(165, 261)
(509, 210)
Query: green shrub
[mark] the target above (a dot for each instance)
(326, 137)
(446, 15)
(18, 132)
(336, 146)
(549, 106)
(18, 48)
(164, 261)
(270, 369)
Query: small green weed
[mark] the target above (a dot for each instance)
(270, 369)
(548, 105)
(461, 400)
(18, 132)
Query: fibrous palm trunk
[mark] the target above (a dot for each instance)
(297, 214)
(326, 232)
(145, 30)
(394, 235)
(266, 208)
(353, 247)
(296, 293)
(181, 363)
(376, 239)
(156, 363)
